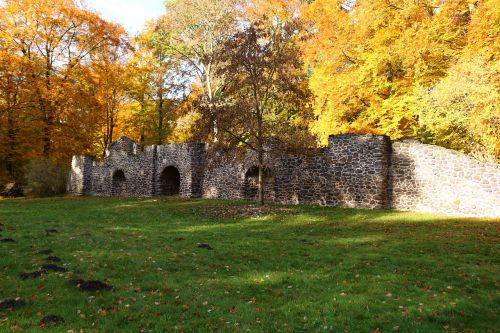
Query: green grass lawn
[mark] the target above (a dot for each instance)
(290, 269)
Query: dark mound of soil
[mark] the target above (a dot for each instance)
(47, 251)
(11, 303)
(51, 231)
(7, 240)
(51, 321)
(205, 246)
(178, 239)
(93, 285)
(53, 259)
(54, 268)
(31, 275)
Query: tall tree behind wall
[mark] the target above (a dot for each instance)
(14, 103)
(193, 31)
(265, 94)
(53, 43)
(107, 77)
(370, 61)
(155, 84)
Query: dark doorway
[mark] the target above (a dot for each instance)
(252, 184)
(170, 181)
(119, 182)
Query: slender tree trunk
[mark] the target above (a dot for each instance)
(143, 130)
(12, 144)
(211, 105)
(47, 131)
(11, 130)
(160, 118)
(261, 177)
(110, 126)
(48, 109)
(260, 154)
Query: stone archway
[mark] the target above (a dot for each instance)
(251, 184)
(170, 181)
(119, 183)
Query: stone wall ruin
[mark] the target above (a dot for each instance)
(357, 171)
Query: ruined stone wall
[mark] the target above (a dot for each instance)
(80, 176)
(137, 167)
(351, 172)
(224, 176)
(142, 170)
(358, 171)
(188, 159)
(428, 178)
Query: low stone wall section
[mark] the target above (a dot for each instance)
(433, 179)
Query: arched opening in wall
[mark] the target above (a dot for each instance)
(119, 182)
(170, 181)
(251, 185)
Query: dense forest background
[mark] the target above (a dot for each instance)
(241, 71)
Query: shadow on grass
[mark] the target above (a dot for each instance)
(302, 270)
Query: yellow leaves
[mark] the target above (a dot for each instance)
(57, 47)
(102, 313)
(368, 63)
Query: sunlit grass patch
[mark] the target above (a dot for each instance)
(279, 268)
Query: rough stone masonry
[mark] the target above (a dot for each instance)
(358, 171)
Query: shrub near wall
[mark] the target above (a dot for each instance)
(45, 178)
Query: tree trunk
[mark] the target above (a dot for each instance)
(260, 154)
(160, 118)
(211, 105)
(48, 109)
(261, 176)
(47, 132)
(12, 144)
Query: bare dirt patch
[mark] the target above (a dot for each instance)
(49, 321)
(93, 285)
(31, 275)
(7, 240)
(54, 268)
(12, 303)
(205, 246)
(53, 259)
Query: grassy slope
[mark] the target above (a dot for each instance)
(300, 269)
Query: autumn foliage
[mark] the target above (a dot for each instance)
(71, 82)
(420, 69)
